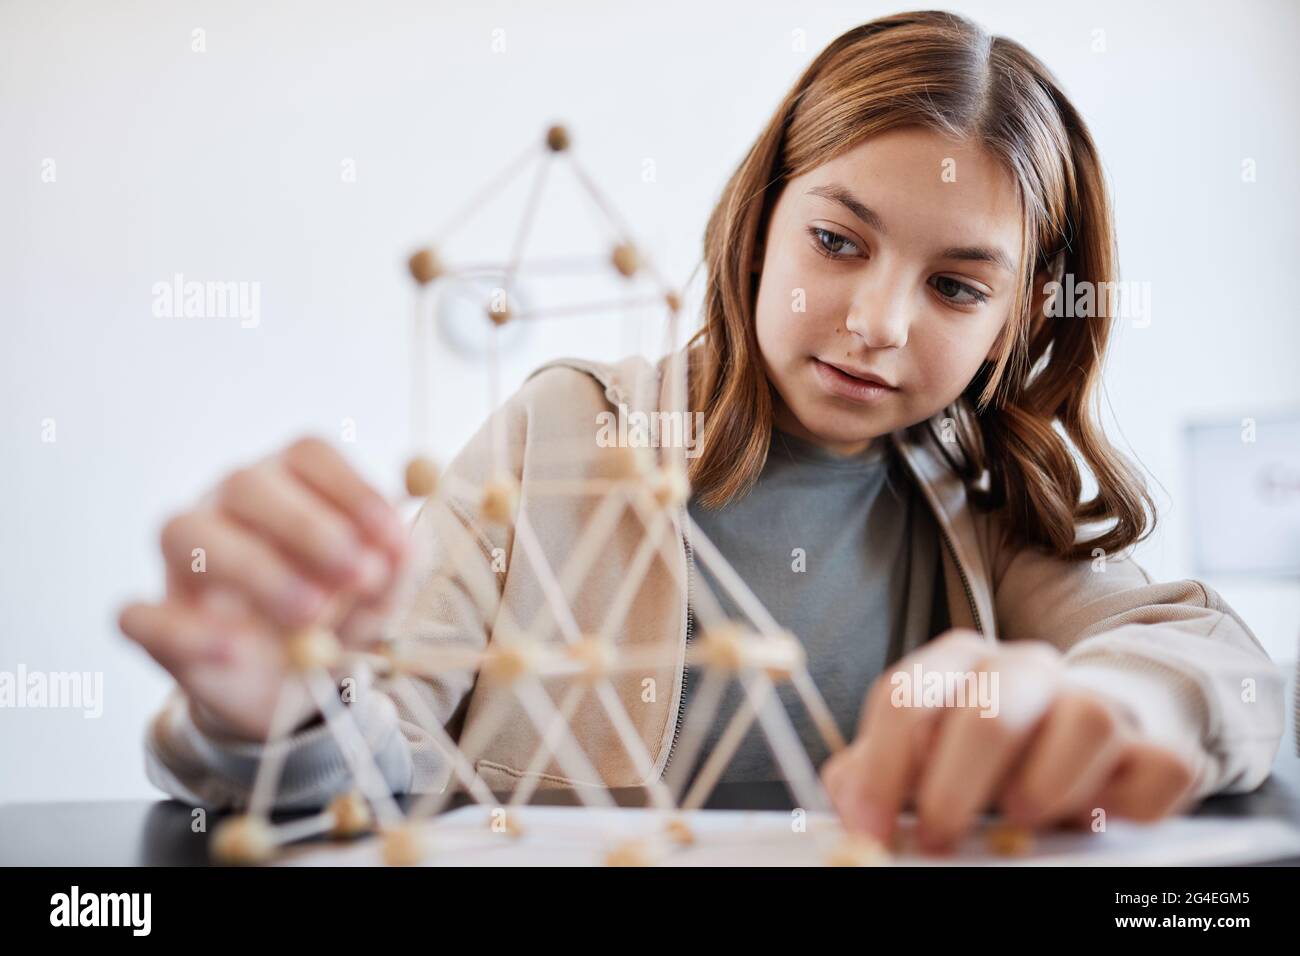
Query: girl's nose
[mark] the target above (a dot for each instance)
(879, 315)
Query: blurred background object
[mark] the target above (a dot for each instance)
(1245, 493)
(1245, 496)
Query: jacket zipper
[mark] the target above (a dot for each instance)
(961, 572)
(690, 620)
(940, 523)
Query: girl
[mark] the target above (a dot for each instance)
(894, 419)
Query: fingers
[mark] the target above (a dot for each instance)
(228, 665)
(868, 780)
(174, 634)
(1150, 782)
(328, 474)
(878, 772)
(235, 557)
(364, 623)
(305, 527)
(284, 539)
(273, 548)
(1070, 759)
(1044, 753)
(978, 742)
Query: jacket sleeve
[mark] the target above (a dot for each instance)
(1175, 654)
(202, 770)
(452, 598)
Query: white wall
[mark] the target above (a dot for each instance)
(225, 165)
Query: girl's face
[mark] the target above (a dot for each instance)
(894, 260)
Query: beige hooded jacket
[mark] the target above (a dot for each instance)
(1186, 666)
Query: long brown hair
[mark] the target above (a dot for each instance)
(940, 71)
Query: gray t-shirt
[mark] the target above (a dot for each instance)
(844, 552)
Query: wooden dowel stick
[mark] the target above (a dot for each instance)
(633, 746)
(431, 803)
(731, 582)
(551, 591)
(717, 762)
(817, 707)
(790, 756)
(529, 782)
(460, 766)
(699, 717)
(478, 198)
(267, 777)
(356, 751)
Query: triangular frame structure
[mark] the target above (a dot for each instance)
(756, 651)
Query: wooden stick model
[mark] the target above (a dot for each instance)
(519, 663)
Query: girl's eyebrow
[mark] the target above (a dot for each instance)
(837, 193)
(980, 254)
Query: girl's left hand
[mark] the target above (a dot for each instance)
(1039, 750)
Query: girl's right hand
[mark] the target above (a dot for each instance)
(257, 559)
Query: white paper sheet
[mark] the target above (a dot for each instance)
(576, 836)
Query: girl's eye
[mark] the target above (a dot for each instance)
(957, 293)
(831, 244)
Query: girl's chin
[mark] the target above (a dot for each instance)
(828, 422)
(838, 430)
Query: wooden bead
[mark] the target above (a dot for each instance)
(630, 462)
(782, 655)
(393, 659)
(631, 853)
(679, 831)
(670, 486)
(859, 850)
(351, 815)
(722, 646)
(402, 846)
(313, 647)
(425, 266)
(421, 477)
(1008, 840)
(499, 314)
(732, 646)
(595, 655)
(557, 139)
(509, 824)
(625, 259)
(507, 663)
(500, 499)
(243, 840)
(673, 300)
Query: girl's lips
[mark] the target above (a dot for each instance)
(844, 385)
